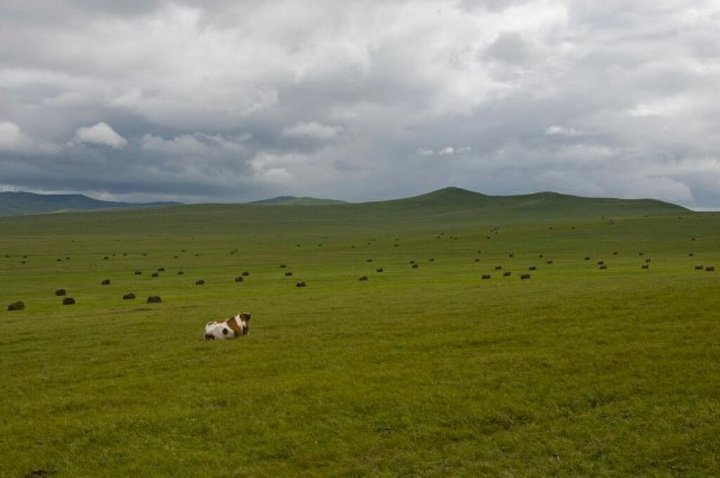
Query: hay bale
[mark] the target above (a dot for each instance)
(603, 267)
(300, 283)
(524, 276)
(363, 278)
(138, 273)
(162, 269)
(710, 269)
(507, 274)
(587, 258)
(486, 276)
(155, 274)
(699, 268)
(61, 292)
(645, 266)
(18, 305)
(379, 269)
(129, 296)
(283, 266)
(532, 268)
(105, 282)
(498, 268)
(239, 279)
(414, 266)
(154, 299)
(245, 273)
(288, 274)
(200, 282)
(68, 301)
(180, 273)
(368, 260)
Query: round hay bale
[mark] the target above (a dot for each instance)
(486, 276)
(699, 268)
(180, 273)
(587, 258)
(245, 273)
(532, 268)
(154, 299)
(283, 266)
(507, 274)
(645, 266)
(498, 268)
(363, 278)
(61, 292)
(239, 279)
(162, 269)
(525, 276)
(105, 282)
(155, 274)
(200, 282)
(288, 274)
(129, 296)
(603, 267)
(414, 266)
(138, 273)
(68, 301)
(549, 262)
(369, 260)
(300, 283)
(18, 305)
(710, 269)
(379, 269)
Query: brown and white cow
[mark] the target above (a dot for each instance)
(229, 328)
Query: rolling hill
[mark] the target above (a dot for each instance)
(23, 203)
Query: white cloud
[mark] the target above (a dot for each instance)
(101, 134)
(444, 151)
(563, 131)
(312, 130)
(10, 136)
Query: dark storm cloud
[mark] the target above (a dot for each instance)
(227, 100)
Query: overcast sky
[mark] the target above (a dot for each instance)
(227, 100)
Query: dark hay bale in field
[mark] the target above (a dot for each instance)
(477, 260)
(641, 253)
(301, 283)
(645, 266)
(432, 259)
(154, 299)
(498, 268)
(699, 268)
(692, 238)
(155, 274)
(239, 279)
(549, 262)
(283, 266)
(138, 273)
(200, 282)
(532, 268)
(245, 273)
(129, 296)
(412, 262)
(363, 278)
(180, 273)
(710, 269)
(368, 260)
(379, 269)
(541, 256)
(60, 292)
(524, 276)
(19, 305)
(600, 263)
(648, 260)
(507, 274)
(486, 276)
(511, 255)
(288, 274)
(414, 266)
(691, 254)
(40, 474)
(105, 282)
(58, 260)
(68, 301)
(614, 253)
(162, 269)
(603, 267)
(106, 258)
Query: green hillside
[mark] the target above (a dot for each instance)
(22, 203)
(415, 348)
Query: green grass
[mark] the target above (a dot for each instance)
(427, 371)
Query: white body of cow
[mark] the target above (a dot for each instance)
(228, 329)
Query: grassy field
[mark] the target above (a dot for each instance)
(424, 369)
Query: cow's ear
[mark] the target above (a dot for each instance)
(246, 316)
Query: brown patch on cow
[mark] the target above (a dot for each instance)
(236, 328)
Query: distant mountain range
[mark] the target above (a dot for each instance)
(451, 198)
(23, 203)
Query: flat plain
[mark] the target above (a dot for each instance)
(604, 362)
